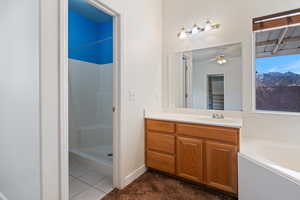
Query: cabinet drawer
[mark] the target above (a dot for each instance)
(161, 162)
(209, 132)
(161, 142)
(155, 125)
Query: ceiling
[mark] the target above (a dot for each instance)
(267, 42)
(209, 54)
(86, 10)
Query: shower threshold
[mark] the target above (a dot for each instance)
(97, 157)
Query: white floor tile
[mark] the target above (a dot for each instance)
(72, 161)
(71, 178)
(77, 187)
(77, 170)
(105, 185)
(90, 194)
(92, 177)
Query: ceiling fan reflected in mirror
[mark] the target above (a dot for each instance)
(221, 59)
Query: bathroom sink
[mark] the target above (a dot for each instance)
(219, 120)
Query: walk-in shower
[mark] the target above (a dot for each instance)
(90, 132)
(90, 99)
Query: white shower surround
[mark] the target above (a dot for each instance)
(2, 197)
(90, 104)
(90, 114)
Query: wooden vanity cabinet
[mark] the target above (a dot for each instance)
(189, 158)
(221, 166)
(200, 153)
(160, 145)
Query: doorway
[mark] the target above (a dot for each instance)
(215, 87)
(90, 80)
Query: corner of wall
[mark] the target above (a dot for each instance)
(133, 176)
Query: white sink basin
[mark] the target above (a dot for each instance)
(219, 120)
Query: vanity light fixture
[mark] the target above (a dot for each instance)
(183, 34)
(208, 26)
(196, 29)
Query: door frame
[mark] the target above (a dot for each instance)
(64, 94)
(187, 66)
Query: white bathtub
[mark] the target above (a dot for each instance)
(269, 171)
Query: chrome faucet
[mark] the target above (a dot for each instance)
(217, 116)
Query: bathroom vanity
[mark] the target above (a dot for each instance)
(196, 150)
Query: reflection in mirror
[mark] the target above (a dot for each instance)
(206, 78)
(215, 92)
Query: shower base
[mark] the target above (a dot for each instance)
(98, 157)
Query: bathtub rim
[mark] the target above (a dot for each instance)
(266, 164)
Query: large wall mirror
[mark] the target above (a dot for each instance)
(206, 79)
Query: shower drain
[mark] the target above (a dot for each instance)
(110, 155)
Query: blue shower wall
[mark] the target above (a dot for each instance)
(106, 48)
(82, 32)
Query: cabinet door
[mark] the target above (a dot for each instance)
(190, 158)
(221, 166)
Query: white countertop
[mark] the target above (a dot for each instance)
(195, 119)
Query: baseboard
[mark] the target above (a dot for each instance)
(2, 197)
(133, 176)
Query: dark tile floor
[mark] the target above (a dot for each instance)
(156, 186)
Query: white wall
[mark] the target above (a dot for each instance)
(232, 83)
(19, 104)
(90, 101)
(141, 74)
(50, 96)
(235, 18)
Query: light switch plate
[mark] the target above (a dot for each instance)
(131, 95)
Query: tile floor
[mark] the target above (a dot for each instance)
(87, 183)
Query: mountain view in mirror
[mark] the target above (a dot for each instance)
(206, 79)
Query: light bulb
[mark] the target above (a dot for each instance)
(208, 26)
(182, 35)
(195, 29)
(221, 59)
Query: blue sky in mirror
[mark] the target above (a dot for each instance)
(288, 63)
